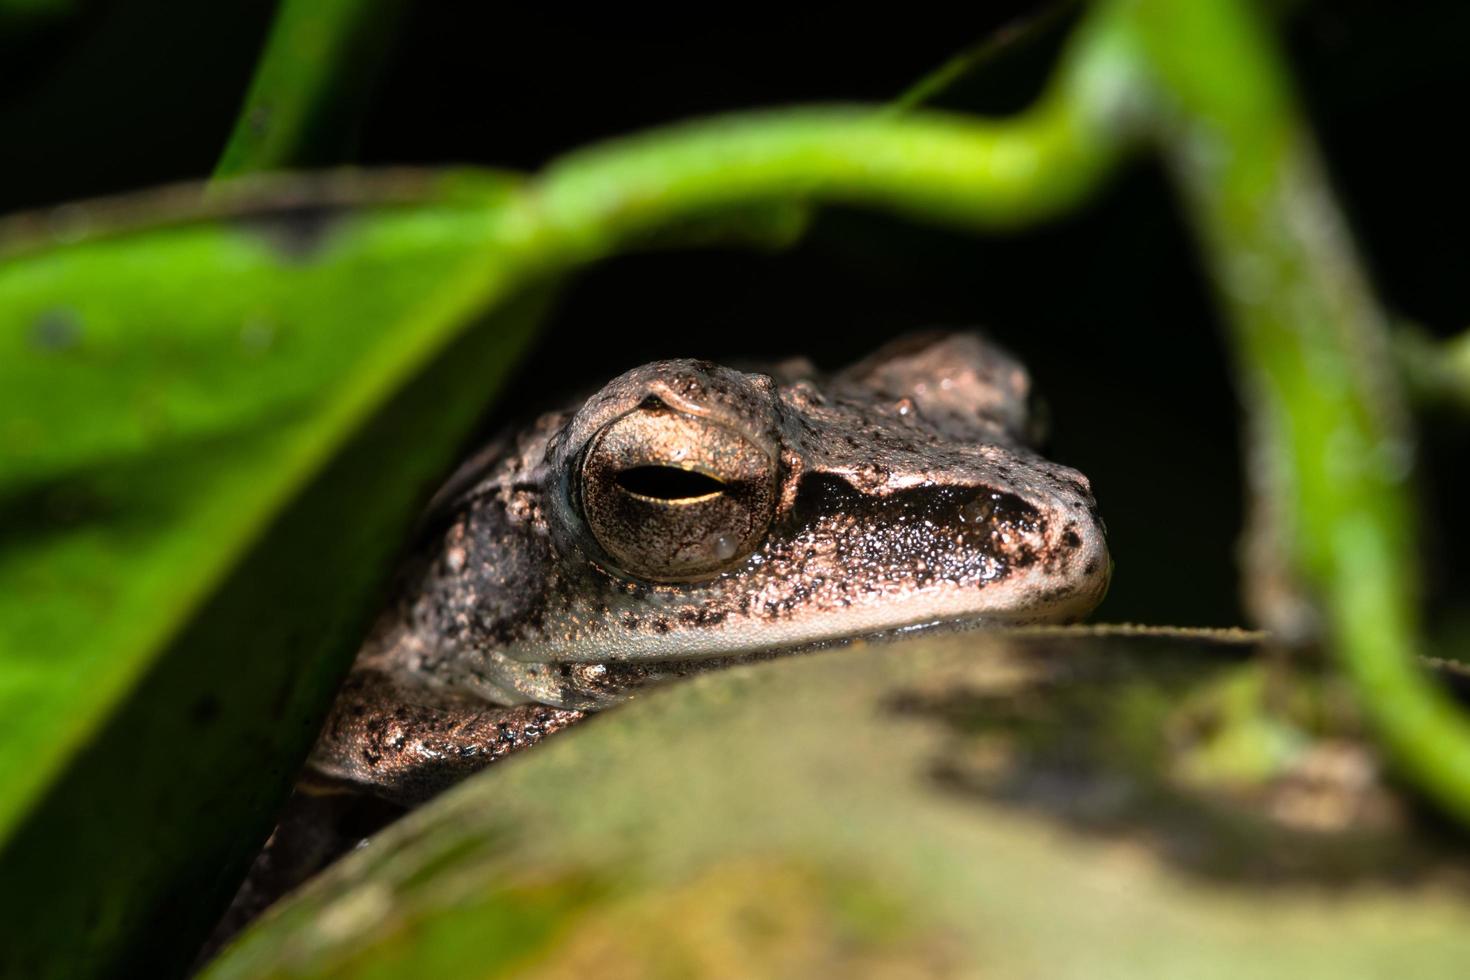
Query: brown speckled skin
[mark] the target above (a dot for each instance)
(903, 494)
(409, 742)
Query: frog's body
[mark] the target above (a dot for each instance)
(688, 516)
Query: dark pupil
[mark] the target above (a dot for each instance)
(668, 482)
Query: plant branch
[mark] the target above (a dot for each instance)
(947, 168)
(1332, 454)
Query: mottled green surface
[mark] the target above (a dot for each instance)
(977, 805)
(185, 578)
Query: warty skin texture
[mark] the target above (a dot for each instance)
(901, 492)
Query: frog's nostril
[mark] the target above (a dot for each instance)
(980, 508)
(1002, 525)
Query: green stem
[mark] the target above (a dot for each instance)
(1457, 367)
(1332, 453)
(946, 168)
(1437, 372)
(311, 86)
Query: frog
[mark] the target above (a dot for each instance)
(690, 516)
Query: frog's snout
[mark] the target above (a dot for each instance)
(1076, 567)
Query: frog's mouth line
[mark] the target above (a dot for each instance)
(1025, 595)
(1065, 608)
(590, 680)
(588, 686)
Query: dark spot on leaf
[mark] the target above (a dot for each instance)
(205, 711)
(56, 330)
(296, 234)
(259, 119)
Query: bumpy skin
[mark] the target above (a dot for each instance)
(901, 492)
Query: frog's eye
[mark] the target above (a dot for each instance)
(673, 497)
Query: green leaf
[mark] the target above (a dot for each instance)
(985, 804)
(202, 483)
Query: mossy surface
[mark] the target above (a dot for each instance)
(1027, 804)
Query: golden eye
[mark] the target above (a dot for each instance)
(673, 497)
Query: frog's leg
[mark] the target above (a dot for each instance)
(394, 740)
(405, 742)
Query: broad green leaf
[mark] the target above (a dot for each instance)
(201, 483)
(1044, 804)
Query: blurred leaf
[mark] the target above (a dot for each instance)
(971, 805)
(312, 85)
(192, 544)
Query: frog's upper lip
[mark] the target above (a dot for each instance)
(1027, 596)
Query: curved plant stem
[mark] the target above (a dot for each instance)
(1332, 454)
(947, 168)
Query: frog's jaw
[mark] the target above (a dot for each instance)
(564, 681)
(1030, 597)
(840, 575)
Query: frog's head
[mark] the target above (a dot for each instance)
(689, 510)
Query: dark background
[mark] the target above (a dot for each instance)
(1109, 307)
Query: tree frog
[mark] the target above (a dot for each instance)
(689, 516)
